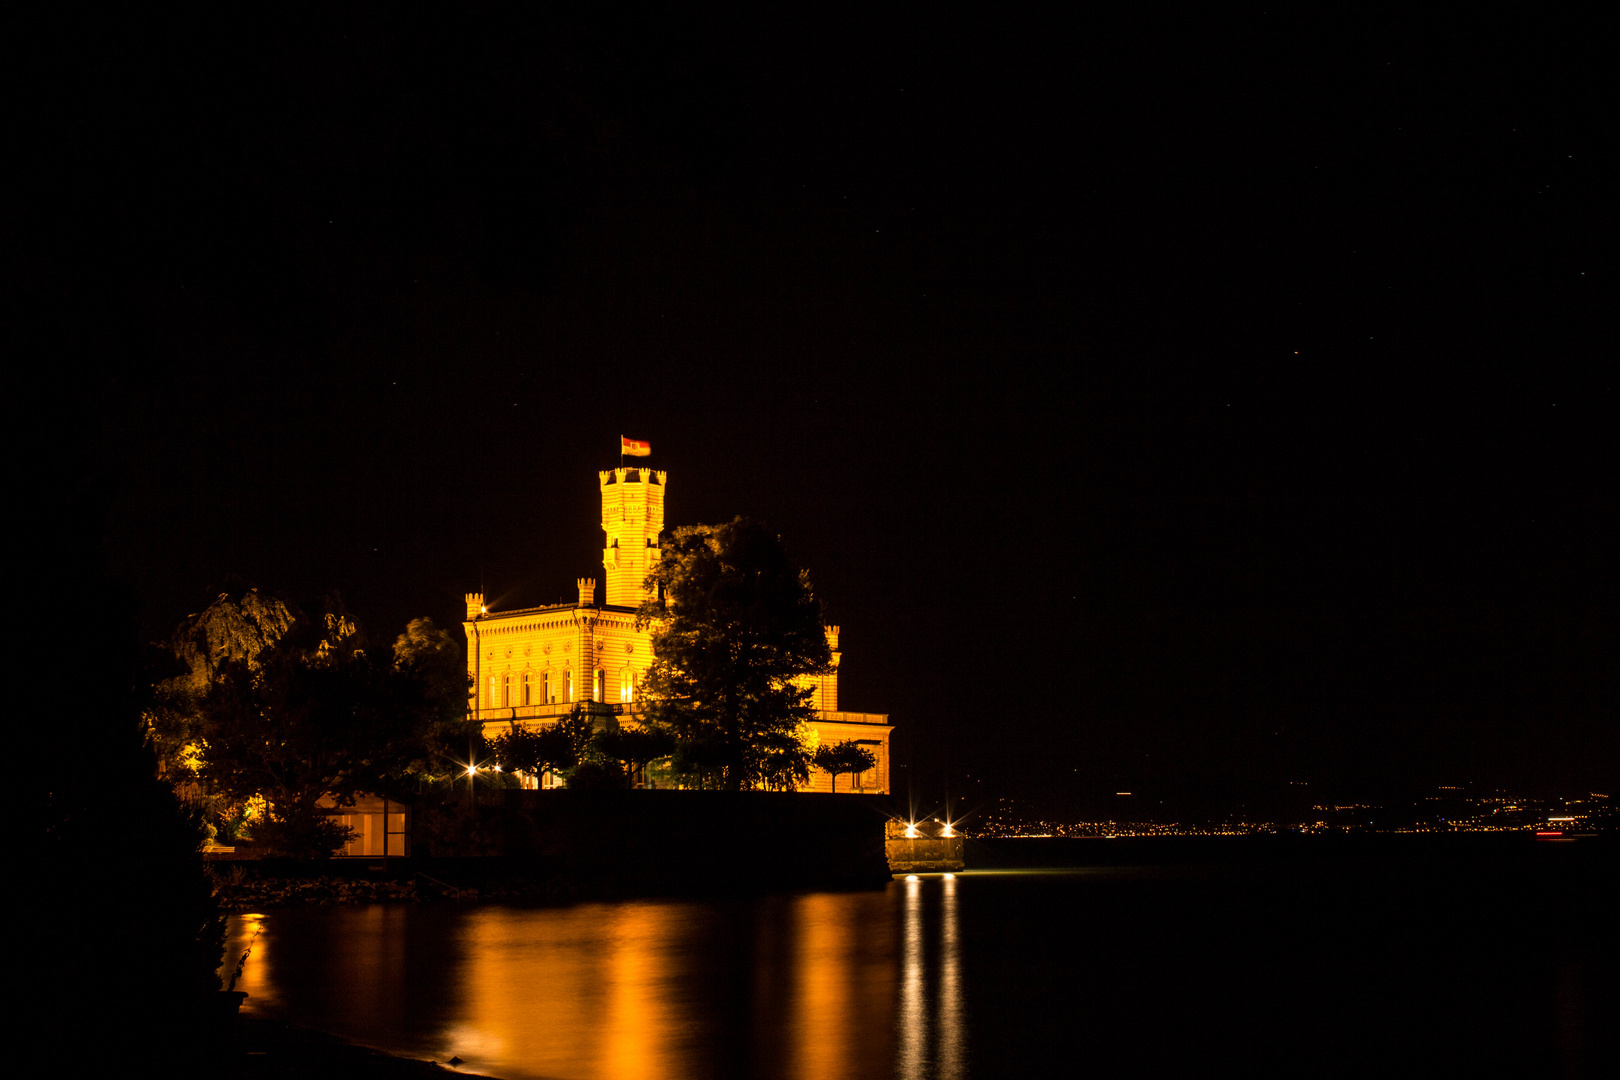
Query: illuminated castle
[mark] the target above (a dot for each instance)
(530, 665)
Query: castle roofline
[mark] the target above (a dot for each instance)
(525, 611)
(616, 609)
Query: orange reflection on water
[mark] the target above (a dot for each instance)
(821, 1021)
(586, 991)
(797, 986)
(244, 934)
(645, 1007)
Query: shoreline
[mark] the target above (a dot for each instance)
(269, 1049)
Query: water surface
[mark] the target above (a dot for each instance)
(1309, 970)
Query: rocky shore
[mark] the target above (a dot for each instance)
(238, 894)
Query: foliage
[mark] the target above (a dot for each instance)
(596, 776)
(231, 823)
(843, 757)
(235, 627)
(736, 630)
(554, 748)
(586, 757)
(317, 712)
(632, 748)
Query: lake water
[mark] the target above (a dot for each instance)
(1473, 968)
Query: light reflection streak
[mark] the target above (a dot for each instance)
(913, 1019)
(931, 1040)
(821, 1017)
(644, 1007)
(950, 986)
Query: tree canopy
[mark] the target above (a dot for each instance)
(296, 708)
(736, 629)
(552, 748)
(848, 756)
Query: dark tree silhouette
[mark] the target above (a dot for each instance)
(556, 747)
(735, 631)
(321, 712)
(836, 759)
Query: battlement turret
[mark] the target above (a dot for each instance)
(475, 604)
(632, 519)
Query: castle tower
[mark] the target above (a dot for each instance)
(632, 518)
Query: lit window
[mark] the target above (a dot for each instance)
(599, 691)
(494, 697)
(568, 684)
(525, 688)
(627, 685)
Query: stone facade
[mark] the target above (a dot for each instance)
(531, 665)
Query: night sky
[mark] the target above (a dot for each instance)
(1188, 408)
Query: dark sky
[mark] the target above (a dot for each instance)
(1187, 407)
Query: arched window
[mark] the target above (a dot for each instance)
(627, 685)
(506, 691)
(568, 684)
(545, 688)
(599, 691)
(526, 688)
(494, 698)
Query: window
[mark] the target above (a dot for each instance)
(568, 684)
(627, 685)
(494, 699)
(599, 691)
(545, 688)
(525, 688)
(506, 691)
(869, 777)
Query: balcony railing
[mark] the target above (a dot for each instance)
(554, 710)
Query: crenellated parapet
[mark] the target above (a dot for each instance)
(587, 591)
(475, 604)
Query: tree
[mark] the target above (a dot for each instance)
(736, 631)
(237, 626)
(320, 712)
(571, 746)
(633, 748)
(848, 756)
(553, 748)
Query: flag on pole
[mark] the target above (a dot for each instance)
(634, 447)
